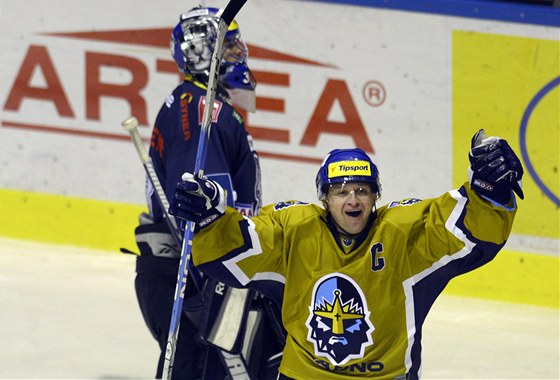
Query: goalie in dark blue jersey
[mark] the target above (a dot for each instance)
(206, 333)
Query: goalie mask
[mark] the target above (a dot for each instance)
(192, 44)
(347, 165)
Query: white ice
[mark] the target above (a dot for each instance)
(71, 313)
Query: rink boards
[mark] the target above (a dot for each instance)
(410, 88)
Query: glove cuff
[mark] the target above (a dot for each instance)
(498, 194)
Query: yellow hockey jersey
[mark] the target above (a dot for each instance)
(354, 307)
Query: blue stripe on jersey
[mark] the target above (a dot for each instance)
(269, 283)
(422, 289)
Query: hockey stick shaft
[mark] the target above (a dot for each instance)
(233, 7)
(131, 125)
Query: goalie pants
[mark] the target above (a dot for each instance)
(155, 284)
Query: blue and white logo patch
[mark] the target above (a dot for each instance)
(404, 202)
(282, 205)
(338, 323)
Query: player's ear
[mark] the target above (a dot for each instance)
(325, 204)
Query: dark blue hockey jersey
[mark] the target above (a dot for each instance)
(230, 159)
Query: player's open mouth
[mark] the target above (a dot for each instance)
(354, 214)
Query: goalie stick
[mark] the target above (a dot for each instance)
(131, 125)
(233, 7)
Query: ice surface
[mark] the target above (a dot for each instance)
(71, 313)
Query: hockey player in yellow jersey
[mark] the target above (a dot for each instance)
(355, 282)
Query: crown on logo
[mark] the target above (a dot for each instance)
(338, 313)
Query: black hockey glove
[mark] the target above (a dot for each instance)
(495, 169)
(199, 200)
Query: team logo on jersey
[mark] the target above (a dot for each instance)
(347, 242)
(338, 323)
(282, 205)
(404, 202)
(215, 111)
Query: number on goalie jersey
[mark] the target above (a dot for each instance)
(355, 284)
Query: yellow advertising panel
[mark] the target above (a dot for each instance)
(510, 86)
(70, 221)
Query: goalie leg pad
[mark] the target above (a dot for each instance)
(223, 315)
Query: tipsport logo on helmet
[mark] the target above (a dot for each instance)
(349, 168)
(338, 323)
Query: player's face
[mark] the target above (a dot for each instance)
(350, 205)
(235, 50)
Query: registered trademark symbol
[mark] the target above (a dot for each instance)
(374, 93)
